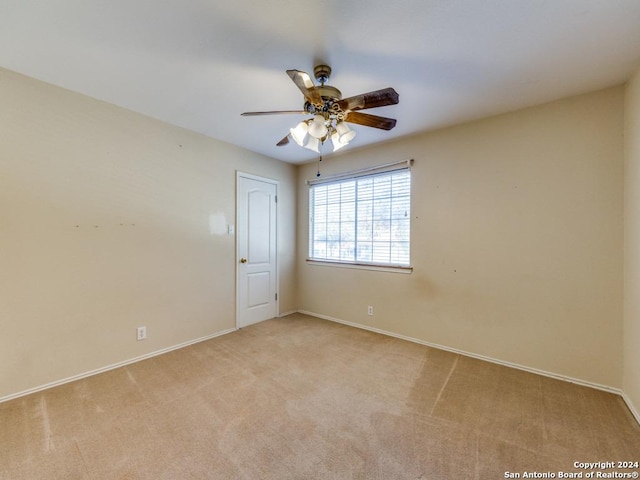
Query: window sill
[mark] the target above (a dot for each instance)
(362, 266)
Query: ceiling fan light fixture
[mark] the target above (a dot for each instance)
(335, 139)
(345, 134)
(317, 128)
(299, 133)
(313, 144)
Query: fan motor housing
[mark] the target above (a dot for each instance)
(328, 92)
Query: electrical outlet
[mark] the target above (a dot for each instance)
(370, 310)
(141, 333)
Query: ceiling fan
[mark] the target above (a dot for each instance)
(331, 112)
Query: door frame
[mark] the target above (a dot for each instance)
(276, 183)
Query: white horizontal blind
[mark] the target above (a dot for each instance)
(365, 219)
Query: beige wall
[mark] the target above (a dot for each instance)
(110, 220)
(517, 234)
(631, 382)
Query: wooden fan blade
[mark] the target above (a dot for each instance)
(378, 98)
(283, 142)
(306, 86)
(273, 112)
(369, 120)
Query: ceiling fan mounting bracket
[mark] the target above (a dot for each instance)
(322, 73)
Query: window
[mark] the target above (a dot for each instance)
(362, 218)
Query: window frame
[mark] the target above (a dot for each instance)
(371, 172)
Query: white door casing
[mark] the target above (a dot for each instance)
(256, 258)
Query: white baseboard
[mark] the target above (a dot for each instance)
(284, 314)
(565, 378)
(632, 408)
(113, 366)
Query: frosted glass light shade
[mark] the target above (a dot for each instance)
(345, 134)
(317, 128)
(313, 144)
(335, 139)
(299, 132)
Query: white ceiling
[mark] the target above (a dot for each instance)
(200, 63)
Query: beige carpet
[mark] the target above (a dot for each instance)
(302, 398)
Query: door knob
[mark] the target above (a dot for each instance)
(243, 260)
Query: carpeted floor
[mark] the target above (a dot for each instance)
(303, 398)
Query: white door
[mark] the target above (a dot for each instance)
(256, 249)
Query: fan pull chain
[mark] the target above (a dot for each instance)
(319, 159)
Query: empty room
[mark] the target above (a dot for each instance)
(351, 239)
